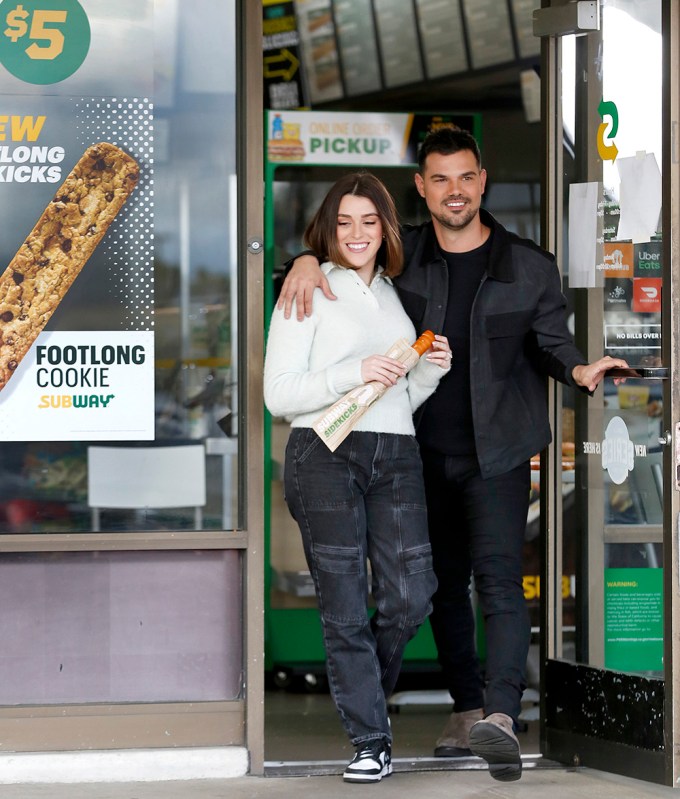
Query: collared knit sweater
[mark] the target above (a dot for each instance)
(311, 364)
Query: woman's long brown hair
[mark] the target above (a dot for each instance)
(321, 235)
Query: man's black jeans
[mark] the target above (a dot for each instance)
(477, 527)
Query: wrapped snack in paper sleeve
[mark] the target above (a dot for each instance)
(341, 418)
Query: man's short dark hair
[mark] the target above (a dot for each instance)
(446, 141)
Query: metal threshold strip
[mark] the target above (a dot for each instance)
(326, 768)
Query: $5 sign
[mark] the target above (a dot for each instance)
(18, 27)
(43, 41)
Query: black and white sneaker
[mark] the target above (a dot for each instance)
(372, 762)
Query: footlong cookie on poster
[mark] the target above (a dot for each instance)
(57, 248)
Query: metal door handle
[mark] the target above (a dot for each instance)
(640, 372)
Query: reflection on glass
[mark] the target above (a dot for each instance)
(612, 512)
(44, 485)
(568, 89)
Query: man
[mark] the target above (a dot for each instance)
(498, 299)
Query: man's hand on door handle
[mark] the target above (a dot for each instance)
(590, 375)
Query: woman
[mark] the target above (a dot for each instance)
(366, 500)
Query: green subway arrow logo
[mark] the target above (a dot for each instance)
(607, 151)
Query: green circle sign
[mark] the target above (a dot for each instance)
(43, 41)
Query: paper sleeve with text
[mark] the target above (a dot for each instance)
(341, 418)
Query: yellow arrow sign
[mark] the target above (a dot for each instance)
(283, 65)
(607, 152)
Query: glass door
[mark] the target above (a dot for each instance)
(608, 566)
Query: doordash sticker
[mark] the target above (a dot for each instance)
(647, 295)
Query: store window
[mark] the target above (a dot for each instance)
(118, 321)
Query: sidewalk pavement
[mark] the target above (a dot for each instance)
(535, 784)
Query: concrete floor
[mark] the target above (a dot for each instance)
(306, 727)
(304, 736)
(538, 784)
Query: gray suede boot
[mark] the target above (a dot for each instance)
(494, 739)
(455, 739)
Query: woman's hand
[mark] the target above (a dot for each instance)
(440, 353)
(382, 369)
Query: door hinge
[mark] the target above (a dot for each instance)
(579, 16)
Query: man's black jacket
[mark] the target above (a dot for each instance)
(518, 337)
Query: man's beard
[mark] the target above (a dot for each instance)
(457, 221)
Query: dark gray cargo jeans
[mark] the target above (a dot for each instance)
(365, 501)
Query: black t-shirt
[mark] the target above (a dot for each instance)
(446, 424)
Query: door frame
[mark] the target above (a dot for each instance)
(558, 675)
(671, 355)
(250, 146)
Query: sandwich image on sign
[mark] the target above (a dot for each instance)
(340, 419)
(58, 247)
